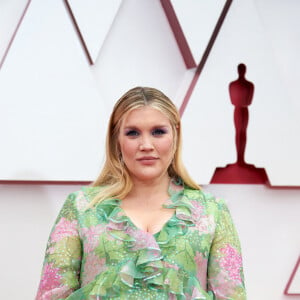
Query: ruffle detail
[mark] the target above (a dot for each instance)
(147, 265)
(147, 269)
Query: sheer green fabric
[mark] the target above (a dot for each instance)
(100, 254)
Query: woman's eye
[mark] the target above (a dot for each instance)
(159, 131)
(132, 133)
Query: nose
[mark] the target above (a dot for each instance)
(146, 144)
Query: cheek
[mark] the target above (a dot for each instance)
(127, 147)
(166, 146)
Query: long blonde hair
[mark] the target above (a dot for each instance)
(114, 177)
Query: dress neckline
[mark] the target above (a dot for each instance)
(132, 223)
(175, 186)
(148, 268)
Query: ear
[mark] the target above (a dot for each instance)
(177, 128)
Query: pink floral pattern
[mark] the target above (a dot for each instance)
(232, 262)
(64, 228)
(50, 278)
(93, 265)
(206, 224)
(99, 254)
(221, 291)
(91, 236)
(82, 202)
(198, 210)
(201, 262)
(143, 239)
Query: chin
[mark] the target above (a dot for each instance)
(149, 177)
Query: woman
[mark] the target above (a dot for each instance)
(144, 229)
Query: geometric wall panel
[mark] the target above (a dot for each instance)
(185, 21)
(140, 49)
(93, 19)
(197, 20)
(51, 112)
(47, 84)
(273, 141)
(11, 14)
(273, 129)
(293, 285)
(55, 105)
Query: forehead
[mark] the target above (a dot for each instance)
(145, 116)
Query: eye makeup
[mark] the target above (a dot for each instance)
(131, 132)
(159, 131)
(155, 131)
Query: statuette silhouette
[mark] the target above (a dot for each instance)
(241, 92)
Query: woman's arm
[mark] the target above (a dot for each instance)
(225, 269)
(60, 274)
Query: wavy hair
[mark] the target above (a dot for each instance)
(114, 178)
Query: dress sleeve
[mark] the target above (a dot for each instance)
(225, 269)
(60, 274)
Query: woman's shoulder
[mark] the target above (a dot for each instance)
(83, 196)
(91, 191)
(206, 198)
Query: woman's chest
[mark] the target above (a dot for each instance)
(151, 221)
(127, 238)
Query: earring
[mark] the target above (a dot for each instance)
(120, 158)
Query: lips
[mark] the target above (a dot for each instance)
(147, 160)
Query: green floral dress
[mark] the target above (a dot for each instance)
(100, 254)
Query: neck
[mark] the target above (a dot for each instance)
(151, 187)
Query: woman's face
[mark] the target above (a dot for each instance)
(146, 143)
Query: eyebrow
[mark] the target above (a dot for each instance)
(153, 127)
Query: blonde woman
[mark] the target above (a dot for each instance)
(144, 229)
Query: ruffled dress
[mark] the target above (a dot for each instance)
(100, 254)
